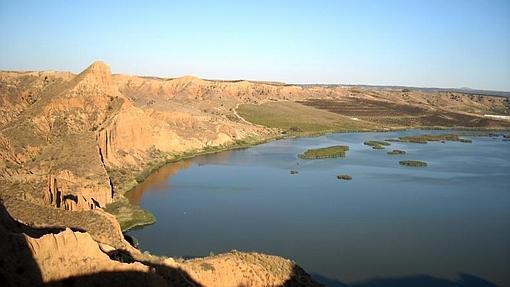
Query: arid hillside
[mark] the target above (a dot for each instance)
(72, 145)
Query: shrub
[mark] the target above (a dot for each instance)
(207, 266)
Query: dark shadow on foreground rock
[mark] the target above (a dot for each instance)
(19, 268)
(299, 278)
(127, 279)
(465, 280)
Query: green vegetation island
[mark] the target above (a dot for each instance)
(423, 139)
(413, 163)
(327, 152)
(344, 177)
(396, 152)
(377, 144)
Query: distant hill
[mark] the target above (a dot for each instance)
(467, 91)
(436, 90)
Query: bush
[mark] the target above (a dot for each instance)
(295, 129)
(206, 266)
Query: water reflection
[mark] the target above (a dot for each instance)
(216, 158)
(158, 181)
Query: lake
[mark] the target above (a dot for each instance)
(448, 222)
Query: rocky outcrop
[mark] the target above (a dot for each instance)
(126, 137)
(72, 254)
(81, 257)
(235, 268)
(51, 153)
(20, 90)
(98, 73)
(72, 193)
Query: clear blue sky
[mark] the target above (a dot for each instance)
(444, 43)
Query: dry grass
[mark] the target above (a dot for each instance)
(129, 215)
(401, 115)
(297, 118)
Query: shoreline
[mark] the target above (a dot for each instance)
(242, 144)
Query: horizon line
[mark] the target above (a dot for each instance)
(274, 82)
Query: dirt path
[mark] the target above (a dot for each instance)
(243, 120)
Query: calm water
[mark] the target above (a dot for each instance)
(391, 222)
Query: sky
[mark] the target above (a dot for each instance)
(443, 43)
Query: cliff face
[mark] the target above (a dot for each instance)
(77, 252)
(69, 192)
(127, 136)
(50, 152)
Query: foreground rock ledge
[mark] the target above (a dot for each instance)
(34, 257)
